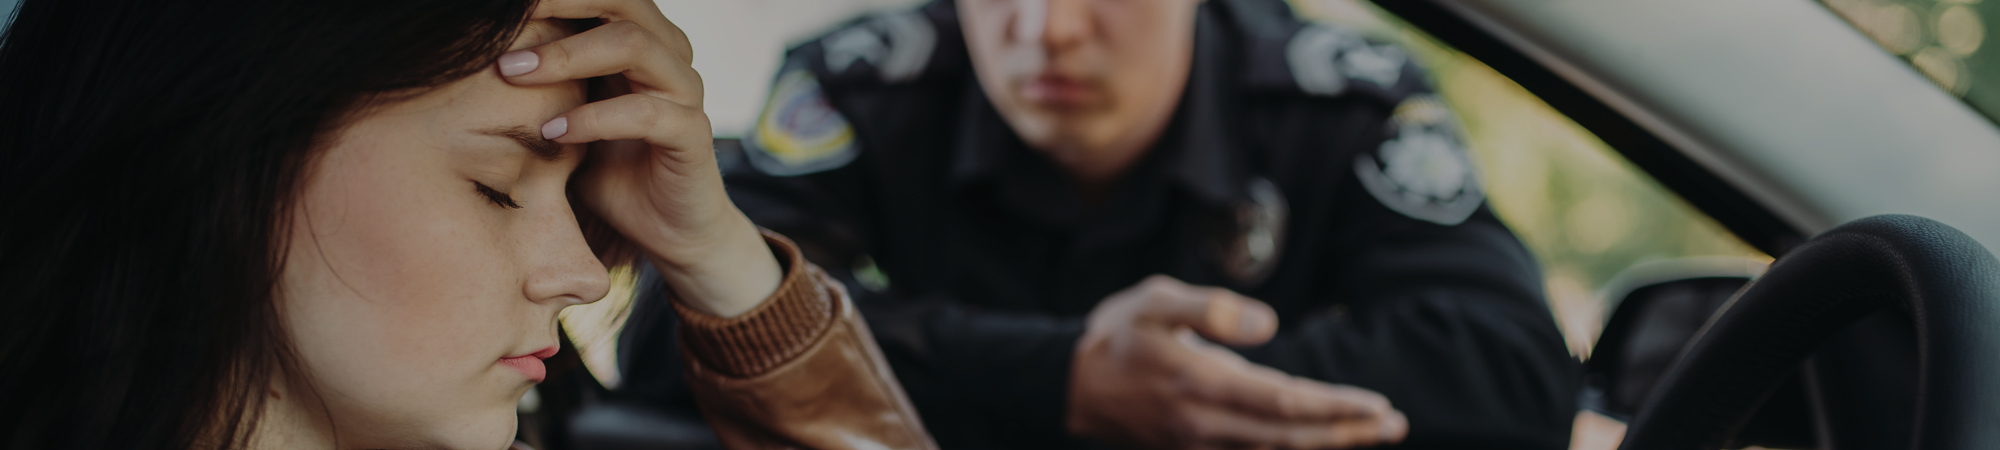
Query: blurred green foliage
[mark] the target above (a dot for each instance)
(1943, 39)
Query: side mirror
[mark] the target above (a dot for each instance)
(1657, 309)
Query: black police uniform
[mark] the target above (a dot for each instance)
(1305, 166)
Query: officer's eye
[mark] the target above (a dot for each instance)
(497, 197)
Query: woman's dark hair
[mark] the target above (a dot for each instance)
(149, 154)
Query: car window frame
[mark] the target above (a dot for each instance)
(1708, 192)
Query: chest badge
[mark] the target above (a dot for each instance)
(1246, 244)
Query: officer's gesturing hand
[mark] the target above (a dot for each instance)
(1141, 378)
(651, 173)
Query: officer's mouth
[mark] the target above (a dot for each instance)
(1055, 91)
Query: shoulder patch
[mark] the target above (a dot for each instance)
(896, 45)
(1328, 61)
(799, 132)
(1424, 171)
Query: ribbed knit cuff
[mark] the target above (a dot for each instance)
(771, 334)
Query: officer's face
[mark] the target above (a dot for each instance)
(1091, 83)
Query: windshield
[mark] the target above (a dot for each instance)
(1944, 39)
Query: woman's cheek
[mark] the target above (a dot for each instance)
(398, 291)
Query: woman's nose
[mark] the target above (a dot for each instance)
(561, 265)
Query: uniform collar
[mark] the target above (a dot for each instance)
(1198, 150)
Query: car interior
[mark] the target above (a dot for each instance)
(1870, 334)
(1866, 318)
(1866, 322)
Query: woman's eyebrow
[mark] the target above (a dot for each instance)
(530, 139)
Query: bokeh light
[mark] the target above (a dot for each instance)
(1940, 38)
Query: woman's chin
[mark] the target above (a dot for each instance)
(486, 429)
(497, 428)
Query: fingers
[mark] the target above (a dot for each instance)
(618, 47)
(1210, 427)
(1264, 392)
(643, 12)
(1216, 314)
(654, 120)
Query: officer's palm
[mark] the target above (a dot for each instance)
(1142, 377)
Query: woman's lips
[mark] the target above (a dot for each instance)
(531, 364)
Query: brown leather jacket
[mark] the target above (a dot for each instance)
(798, 371)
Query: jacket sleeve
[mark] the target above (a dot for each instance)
(799, 371)
(936, 344)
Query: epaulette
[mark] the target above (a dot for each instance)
(1328, 61)
(1320, 59)
(885, 47)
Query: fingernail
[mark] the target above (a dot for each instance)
(1395, 428)
(1252, 321)
(519, 62)
(1221, 313)
(555, 128)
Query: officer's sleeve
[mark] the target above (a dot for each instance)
(1448, 323)
(1440, 306)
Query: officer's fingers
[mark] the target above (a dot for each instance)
(1369, 432)
(1265, 392)
(644, 12)
(1216, 314)
(659, 122)
(1219, 428)
(1237, 320)
(617, 47)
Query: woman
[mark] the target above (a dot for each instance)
(350, 224)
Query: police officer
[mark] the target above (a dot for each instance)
(1051, 211)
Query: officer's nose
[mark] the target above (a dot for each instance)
(1054, 24)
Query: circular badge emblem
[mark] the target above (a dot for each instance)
(1423, 172)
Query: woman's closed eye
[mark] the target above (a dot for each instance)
(497, 197)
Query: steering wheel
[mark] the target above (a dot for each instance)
(1947, 283)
